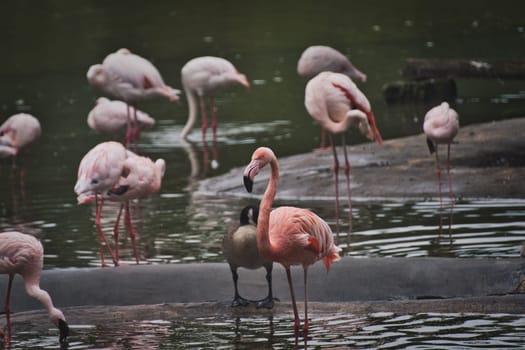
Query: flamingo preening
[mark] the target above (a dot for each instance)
(289, 235)
(335, 102)
(23, 254)
(240, 249)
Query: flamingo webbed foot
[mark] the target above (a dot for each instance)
(266, 303)
(239, 301)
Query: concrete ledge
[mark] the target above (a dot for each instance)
(350, 280)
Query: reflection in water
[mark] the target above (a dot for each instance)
(382, 330)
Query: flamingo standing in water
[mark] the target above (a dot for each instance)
(336, 103)
(240, 248)
(131, 78)
(202, 77)
(140, 177)
(289, 235)
(98, 173)
(112, 117)
(441, 125)
(19, 130)
(319, 58)
(23, 254)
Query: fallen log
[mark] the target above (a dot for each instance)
(420, 69)
(425, 91)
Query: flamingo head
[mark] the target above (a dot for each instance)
(241, 78)
(58, 319)
(261, 157)
(97, 76)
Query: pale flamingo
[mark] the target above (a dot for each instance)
(140, 177)
(202, 77)
(19, 130)
(131, 78)
(112, 117)
(319, 58)
(240, 248)
(23, 254)
(289, 235)
(99, 172)
(441, 125)
(336, 103)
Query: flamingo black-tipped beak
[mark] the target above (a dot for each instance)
(64, 331)
(248, 184)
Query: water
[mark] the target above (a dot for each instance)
(382, 330)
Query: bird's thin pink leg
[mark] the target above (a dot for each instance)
(452, 199)
(438, 172)
(336, 173)
(348, 188)
(7, 309)
(204, 119)
(115, 232)
(213, 118)
(101, 235)
(305, 323)
(129, 225)
(129, 130)
(322, 146)
(294, 305)
(136, 130)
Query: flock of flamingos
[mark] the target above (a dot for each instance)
(111, 171)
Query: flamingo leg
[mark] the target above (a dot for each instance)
(215, 152)
(348, 188)
(127, 219)
(451, 194)
(336, 173)
(136, 129)
(204, 119)
(129, 129)
(101, 236)
(294, 305)
(438, 172)
(115, 231)
(305, 323)
(7, 309)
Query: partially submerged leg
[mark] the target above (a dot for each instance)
(204, 118)
(336, 173)
(348, 188)
(129, 226)
(297, 323)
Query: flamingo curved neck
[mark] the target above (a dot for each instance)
(263, 223)
(192, 116)
(41, 295)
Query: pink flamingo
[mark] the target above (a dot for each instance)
(240, 248)
(99, 172)
(202, 77)
(140, 177)
(130, 78)
(319, 58)
(336, 103)
(441, 125)
(19, 130)
(23, 254)
(289, 235)
(112, 117)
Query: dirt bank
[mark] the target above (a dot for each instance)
(487, 162)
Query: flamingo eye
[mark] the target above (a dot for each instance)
(94, 181)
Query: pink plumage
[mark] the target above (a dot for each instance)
(203, 77)
(289, 235)
(318, 58)
(19, 130)
(23, 254)
(112, 116)
(335, 102)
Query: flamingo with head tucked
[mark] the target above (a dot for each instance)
(130, 78)
(112, 117)
(336, 103)
(240, 248)
(441, 126)
(18, 131)
(289, 235)
(23, 254)
(203, 77)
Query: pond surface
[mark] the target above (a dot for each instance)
(49, 46)
(382, 330)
